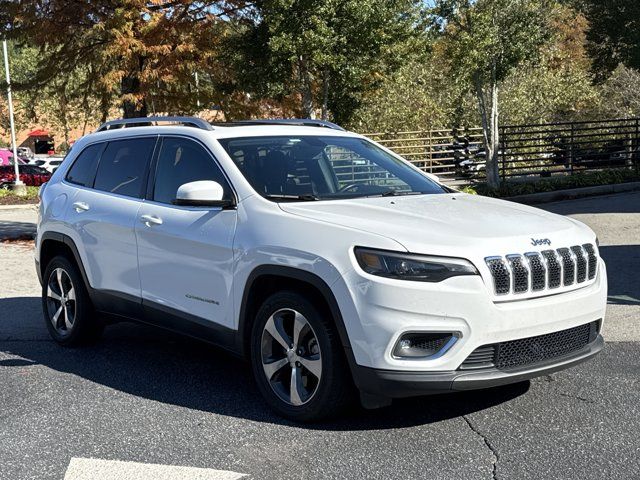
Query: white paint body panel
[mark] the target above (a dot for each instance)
(185, 261)
(210, 253)
(106, 234)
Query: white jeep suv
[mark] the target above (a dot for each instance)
(325, 259)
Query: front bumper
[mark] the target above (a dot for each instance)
(397, 384)
(377, 312)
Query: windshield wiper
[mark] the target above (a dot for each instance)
(300, 198)
(394, 193)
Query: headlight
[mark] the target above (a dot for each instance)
(405, 266)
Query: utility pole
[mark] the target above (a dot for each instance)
(18, 186)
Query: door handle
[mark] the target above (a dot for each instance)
(150, 220)
(80, 207)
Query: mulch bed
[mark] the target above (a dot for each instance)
(14, 200)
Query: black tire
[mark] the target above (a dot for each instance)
(334, 390)
(86, 327)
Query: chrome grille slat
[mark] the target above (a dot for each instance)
(592, 259)
(519, 273)
(538, 271)
(501, 275)
(547, 270)
(554, 268)
(581, 263)
(568, 266)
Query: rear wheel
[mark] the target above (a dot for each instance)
(66, 305)
(297, 359)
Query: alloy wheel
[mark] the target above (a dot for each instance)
(61, 301)
(291, 356)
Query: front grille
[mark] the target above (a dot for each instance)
(532, 350)
(549, 269)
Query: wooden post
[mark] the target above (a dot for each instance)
(430, 150)
(571, 140)
(503, 155)
(629, 149)
(636, 146)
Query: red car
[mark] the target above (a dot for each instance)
(31, 175)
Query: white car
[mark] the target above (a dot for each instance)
(332, 264)
(27, 153)
(50, 164)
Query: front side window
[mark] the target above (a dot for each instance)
(323, 168)
(183, 161)
(84, 167)
(123, 166)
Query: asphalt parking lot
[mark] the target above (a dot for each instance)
(145, 396)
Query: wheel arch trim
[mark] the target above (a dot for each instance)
(297, 274)
(69, 243)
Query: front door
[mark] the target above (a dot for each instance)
(185, 254)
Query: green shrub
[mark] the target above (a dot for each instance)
(590, 179)
(32, 193)
(469, 190)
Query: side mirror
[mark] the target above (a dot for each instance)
(203, 193)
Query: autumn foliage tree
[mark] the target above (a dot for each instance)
(144, 51)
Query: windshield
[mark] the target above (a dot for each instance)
(323, 168)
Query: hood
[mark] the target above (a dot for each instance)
(450, 224)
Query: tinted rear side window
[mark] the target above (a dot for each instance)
(123, 166)
(84, 168)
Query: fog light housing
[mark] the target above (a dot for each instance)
(424, 345)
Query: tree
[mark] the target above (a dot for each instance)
(417, 96)
(557, 86)
(614, 34)
(486, 40)
(325, 52)
(142, 50)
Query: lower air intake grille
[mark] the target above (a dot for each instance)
(532, 350)
(482, 357)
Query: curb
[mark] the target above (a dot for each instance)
(573, 193)
(24, 206)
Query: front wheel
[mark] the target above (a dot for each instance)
(297, 359)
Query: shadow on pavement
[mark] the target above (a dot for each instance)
(168, 368)
(623, 265)
(616, 203)
(11, 230)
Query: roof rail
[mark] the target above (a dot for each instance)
(307, 122)
(151, 121)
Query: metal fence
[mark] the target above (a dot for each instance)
(527, 152)
(442, 152)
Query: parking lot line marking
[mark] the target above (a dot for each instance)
(93, 469)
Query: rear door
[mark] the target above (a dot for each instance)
(185, 253)
(111, 179)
